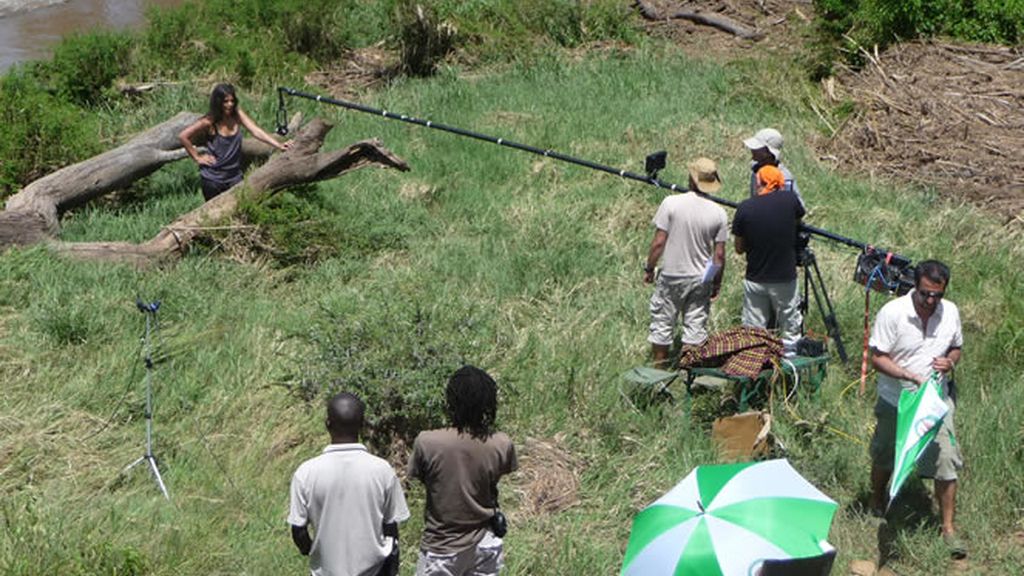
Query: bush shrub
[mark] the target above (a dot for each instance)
(240, 42)
(496, 30)
(298, 229)
(85, 66)
(842, 25)
(38, 132)
(397, 361)
(423, 40)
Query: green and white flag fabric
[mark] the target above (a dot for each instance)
(917, 422)
(727, 519)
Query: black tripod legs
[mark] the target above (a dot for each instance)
(812, 282)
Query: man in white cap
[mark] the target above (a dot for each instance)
(690, 232)
(766, 148)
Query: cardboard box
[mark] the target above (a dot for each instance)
(742, 437)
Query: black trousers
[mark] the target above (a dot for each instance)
(213, 189)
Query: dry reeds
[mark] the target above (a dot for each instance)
(943, 115)
(548, 479)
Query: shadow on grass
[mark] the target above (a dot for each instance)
(912, 511)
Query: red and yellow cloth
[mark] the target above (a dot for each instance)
(738, 351)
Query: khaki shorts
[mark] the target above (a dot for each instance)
(484, 559)
(940, 460)
(685, 297)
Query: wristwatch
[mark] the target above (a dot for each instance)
(648, 269)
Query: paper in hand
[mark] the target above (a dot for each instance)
(710, 271)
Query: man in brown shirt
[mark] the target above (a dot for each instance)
(460, 467)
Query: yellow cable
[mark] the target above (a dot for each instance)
(839, 432)
(847, 389)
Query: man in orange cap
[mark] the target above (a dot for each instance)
(765, 228)
(689, 236)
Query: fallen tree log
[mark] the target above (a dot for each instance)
(33, 214)
(723, 23)
(301, 164)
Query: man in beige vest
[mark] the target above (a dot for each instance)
(689, 237)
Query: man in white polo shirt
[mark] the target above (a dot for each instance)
(914, 335)
(352, 498)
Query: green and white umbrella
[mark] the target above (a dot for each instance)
(727, 519)
(917, 421)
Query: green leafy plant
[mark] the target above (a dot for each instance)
(38, 131)
(398, 361)
(842, 26)
(85, 66)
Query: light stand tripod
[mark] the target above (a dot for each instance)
(812, 281)
(150, 311)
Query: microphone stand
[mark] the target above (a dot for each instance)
(149, 309)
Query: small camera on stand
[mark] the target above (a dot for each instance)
(804, 255)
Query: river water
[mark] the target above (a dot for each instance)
(30, 28)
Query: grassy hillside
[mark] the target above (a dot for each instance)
(521, 265)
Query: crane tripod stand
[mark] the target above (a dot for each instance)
(815, 285)
(149, 309)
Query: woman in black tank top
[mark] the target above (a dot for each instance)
(220, 166)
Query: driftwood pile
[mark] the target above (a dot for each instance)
(32, 215)
(944, 115)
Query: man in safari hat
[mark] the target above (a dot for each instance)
(766, 149)
(689, 237)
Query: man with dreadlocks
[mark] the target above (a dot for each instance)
(460, 467)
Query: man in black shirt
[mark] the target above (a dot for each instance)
(765, 228)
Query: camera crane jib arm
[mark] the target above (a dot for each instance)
(894, 260)
(282, 129)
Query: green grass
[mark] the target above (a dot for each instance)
(524, 266)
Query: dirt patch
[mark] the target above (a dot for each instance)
(548, 480)
(937, 114)
(777, 23)
(356, 72)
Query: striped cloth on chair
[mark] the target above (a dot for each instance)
(739, 351)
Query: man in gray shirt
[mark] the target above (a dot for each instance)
(690, 235)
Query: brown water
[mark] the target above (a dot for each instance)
(30, 28)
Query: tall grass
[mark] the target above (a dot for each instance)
(524, 266)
